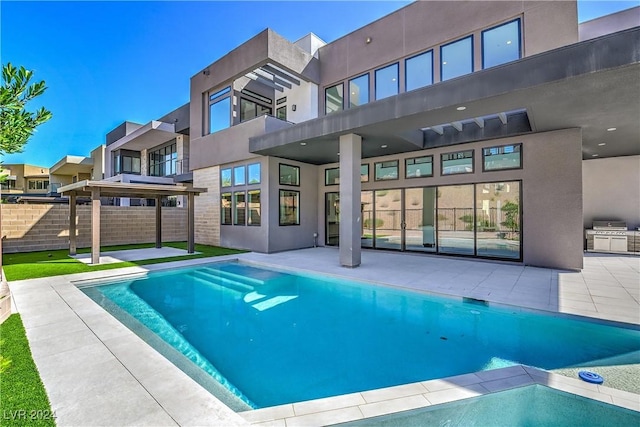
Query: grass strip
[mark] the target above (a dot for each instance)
(23, 398)
(32, 265)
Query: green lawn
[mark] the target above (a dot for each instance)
(23, 399)
(31, 265)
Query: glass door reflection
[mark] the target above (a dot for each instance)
(332, 209)
(388, 219)
(420, 219)
(456, 225)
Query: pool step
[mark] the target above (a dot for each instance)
(223, 281)
(250, 281)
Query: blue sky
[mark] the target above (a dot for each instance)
(107, 62)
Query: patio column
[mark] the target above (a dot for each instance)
(190, 223)
(350, 209)
(95, 226)
(158, 221)
(72, 223)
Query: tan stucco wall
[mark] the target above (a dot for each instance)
(28, 228)
(207, 206)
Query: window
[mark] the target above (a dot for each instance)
(498, 219)
(503, 157)
(281, 101)
(163, 161)
(333, 98)
(250, 110)
(254, 207)
(289, 175)
(501, 44)
(220, 110)
(281, 113)
(419, 167)
(419, 71)
(225, 177)
(460, 162)
(8, 184)
(359, 91)
(37, 184)
(254, 173)
(387, 81)
(239, 175)
(289, 207)
(456, 58)
(332, 176)
(386, 170)
(239, 208)
(126, 162)
(364, 173)
(225, 209)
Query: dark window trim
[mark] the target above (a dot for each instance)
(470, 36)
(282, 100)
(415, 56)
(368, 74)
(326, 214)
(280, 175)
(368, 172)
(338, 167)
(375, 80)
(519, 144)
(473, 156)
(279, 217)
(325, 176)
(234, 209)
(414, 158)
(325, 98)
(221, 209)
(256, 96)
(283, 108)
(375, 177)
(498, 26)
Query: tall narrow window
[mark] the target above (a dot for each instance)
(456, 58)
(220, 110)
(333, 98)
(254, 207)
(239, 175)
(498, 219)
(239, 208)
(359, 91)
(225, 209)
(225, 177)
(289, 207)
(419, 71)
(254, 173)
(387, 81)
(501, 44)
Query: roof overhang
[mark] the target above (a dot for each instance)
(148, 136)
(123, 189)
(592, 85)
(72, 165)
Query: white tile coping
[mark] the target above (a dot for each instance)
(385, 401)
(116, 359)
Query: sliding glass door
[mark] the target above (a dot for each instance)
(388, 220)
(456, 220)
(420, 219)
(498, 220)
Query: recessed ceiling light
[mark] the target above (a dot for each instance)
(602, 143)
(338, 154)
(461, 108)
(384, 146)
(353, 93)
(303, 143)
(444, 63)
(611, 129)
(595, 155)
(508, 41)
(393, 79)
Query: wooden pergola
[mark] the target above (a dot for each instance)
(97, 189)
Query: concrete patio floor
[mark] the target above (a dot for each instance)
(98, 372)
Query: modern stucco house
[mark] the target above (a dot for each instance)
(444, 127)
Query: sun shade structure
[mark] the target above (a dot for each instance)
(97, 189)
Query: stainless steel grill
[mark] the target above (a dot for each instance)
(609, 236)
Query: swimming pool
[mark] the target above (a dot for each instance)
(273, 337)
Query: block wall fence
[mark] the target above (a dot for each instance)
(29, 228)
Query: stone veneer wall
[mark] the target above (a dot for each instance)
(207, 207)
(28, 228)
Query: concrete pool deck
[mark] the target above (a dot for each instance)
(98, 372)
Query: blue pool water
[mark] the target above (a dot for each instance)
(272, 337)
(531, 406)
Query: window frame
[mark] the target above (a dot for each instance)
(367, 174)
(375, 174)
(367, 75)
(519, 21)
(326, 171)
(280, 196)
(470, 36)
(249, 221)
(222, 216)
(234, 208)
(244, 175)
(518, 144)
(406, 89)
(280, 165)
(249, 173)
(406, 166)
(230, 178)
(375, 82)
(214, 98)
(326, 113)
(472, 151)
